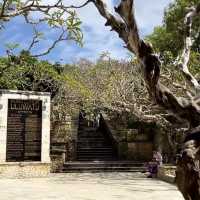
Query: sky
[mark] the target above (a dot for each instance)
(97, 37)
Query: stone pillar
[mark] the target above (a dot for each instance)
(3, 126)
(45, 149)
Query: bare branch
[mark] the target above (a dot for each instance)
(36, 7)
(29, 21)
(59, 39)
(34, 40)
(81, 6)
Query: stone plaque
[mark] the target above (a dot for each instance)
(24, 130)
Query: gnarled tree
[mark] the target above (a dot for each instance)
(188, 172)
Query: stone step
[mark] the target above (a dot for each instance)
(92, 137)
(106, 148)
(99, 155)
(107, 163)
(93, 145)
(99, 150)
(83, 132)
(94, 152)
(103, 169)
(95, 157)
(93, 142)
(88, 129)
(100, 166)
(89, 134)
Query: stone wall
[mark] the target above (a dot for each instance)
(132, 144)
(140, 150)
(24, 169)
(63, 141)
(167, 173)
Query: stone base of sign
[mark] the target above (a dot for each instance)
(24, 169)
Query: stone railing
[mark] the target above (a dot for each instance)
(58, 156)
(167, 173)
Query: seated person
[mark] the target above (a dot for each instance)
(152, 167)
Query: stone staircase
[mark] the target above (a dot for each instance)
(93, 144)
(95, 153)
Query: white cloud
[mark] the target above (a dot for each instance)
(151, 14)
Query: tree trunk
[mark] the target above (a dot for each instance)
(187, 179)
(188, 171)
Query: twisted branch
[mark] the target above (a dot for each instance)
(127, 30)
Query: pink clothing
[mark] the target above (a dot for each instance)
(157, 155)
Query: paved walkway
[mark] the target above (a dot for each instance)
(100, 186)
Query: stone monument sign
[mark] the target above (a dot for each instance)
(24, 129)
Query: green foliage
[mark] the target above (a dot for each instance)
(72, 24)
(27, 73)
(194, 64)
(12, 46)
(163, 41)
(168, 40)
(65, 83)
(170, 36)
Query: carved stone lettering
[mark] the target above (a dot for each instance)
(24, 130)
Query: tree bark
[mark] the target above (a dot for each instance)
(188, 171)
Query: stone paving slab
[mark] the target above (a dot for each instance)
(86, 186)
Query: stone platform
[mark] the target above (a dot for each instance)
(24, 169)
(88, 186)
